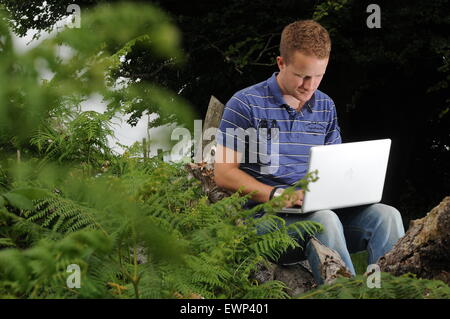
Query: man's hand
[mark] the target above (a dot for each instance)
(295, 199)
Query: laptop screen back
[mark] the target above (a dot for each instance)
(350, 174)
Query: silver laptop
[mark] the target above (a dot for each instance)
(350, 174)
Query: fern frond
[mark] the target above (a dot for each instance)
(63, 215)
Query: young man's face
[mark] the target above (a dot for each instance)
(301, 76)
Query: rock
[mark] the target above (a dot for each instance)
(297, 277)
(425, 248)
(331, 264)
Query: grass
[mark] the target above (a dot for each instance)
(359, 260)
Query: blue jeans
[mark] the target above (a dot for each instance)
(375, 228)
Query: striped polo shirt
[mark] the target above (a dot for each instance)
(274, 138)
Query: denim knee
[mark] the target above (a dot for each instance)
(333, 232)
(385, 227)
(388, 215)
(328, 219)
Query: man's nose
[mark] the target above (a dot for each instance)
(308, 84)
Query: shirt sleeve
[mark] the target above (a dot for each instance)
(236, 119)
(333, 134)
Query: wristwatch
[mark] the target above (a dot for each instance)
(276, 192)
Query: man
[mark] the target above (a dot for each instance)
(291, 114)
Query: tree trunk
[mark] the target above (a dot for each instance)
(206, 152)
(298, 276)
(425, 248)
(204, 172)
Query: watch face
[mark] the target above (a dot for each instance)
(278, 192)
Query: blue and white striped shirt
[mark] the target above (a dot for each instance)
(282, 159)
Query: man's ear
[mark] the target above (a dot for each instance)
(281, 63)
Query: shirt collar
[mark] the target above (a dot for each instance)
(278, 96)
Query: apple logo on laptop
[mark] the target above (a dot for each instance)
(349, 173)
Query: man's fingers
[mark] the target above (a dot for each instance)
(295, 199)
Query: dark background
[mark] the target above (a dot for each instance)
(390, 82)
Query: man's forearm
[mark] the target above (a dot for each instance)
(236, 178)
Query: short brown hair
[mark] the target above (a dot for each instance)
(306, 36)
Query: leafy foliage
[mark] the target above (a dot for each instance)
(158, 224)
(404, 287)
(40, 271)
(82, 137)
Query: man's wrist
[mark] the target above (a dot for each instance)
(276, 191)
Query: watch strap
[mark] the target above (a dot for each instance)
(273, 192)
